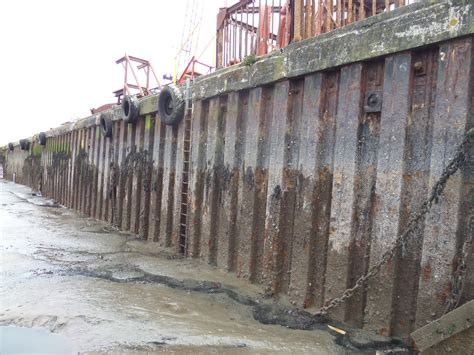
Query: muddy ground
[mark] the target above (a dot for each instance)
(103, 290)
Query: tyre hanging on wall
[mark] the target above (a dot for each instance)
(106, 124)
(130, 109)
(42, 138)
(11, 147)
(171, 105)
(24, 144)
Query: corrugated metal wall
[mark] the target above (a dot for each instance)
(300, 185)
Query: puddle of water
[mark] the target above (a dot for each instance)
(18, 340)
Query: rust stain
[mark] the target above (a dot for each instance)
(445, 293)
(426, 272)
(419, 174)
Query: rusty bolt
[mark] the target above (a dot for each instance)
(373, 101)
(418, 66)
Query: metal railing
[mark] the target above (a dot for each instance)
(257, 27)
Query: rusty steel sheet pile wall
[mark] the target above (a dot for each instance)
(298, 183)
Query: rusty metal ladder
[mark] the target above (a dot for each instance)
(183, 219)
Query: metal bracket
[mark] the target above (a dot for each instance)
(373, 101)
(419, 67)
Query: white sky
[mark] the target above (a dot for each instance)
(57, 58)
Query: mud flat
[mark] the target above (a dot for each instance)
(101, 290)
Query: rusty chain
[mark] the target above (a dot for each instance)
(457, 282)
(456, 162)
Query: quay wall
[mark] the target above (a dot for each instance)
(298, 171)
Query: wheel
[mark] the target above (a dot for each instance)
(171, 105)
(130, 109)
(106, 124)
(42, 138)
(11, 147)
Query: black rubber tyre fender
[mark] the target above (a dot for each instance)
(42, 138)
(24, 144)
(130, 109)
(171, 105)
(106, 124)
(11, 147)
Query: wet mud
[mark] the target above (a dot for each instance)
(105, 290)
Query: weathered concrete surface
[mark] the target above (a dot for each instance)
(452, 333)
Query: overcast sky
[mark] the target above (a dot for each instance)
(57, 58)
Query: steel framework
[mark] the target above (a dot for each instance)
(128, 63)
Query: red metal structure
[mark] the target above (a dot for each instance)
(190, 70)
(140, 90)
